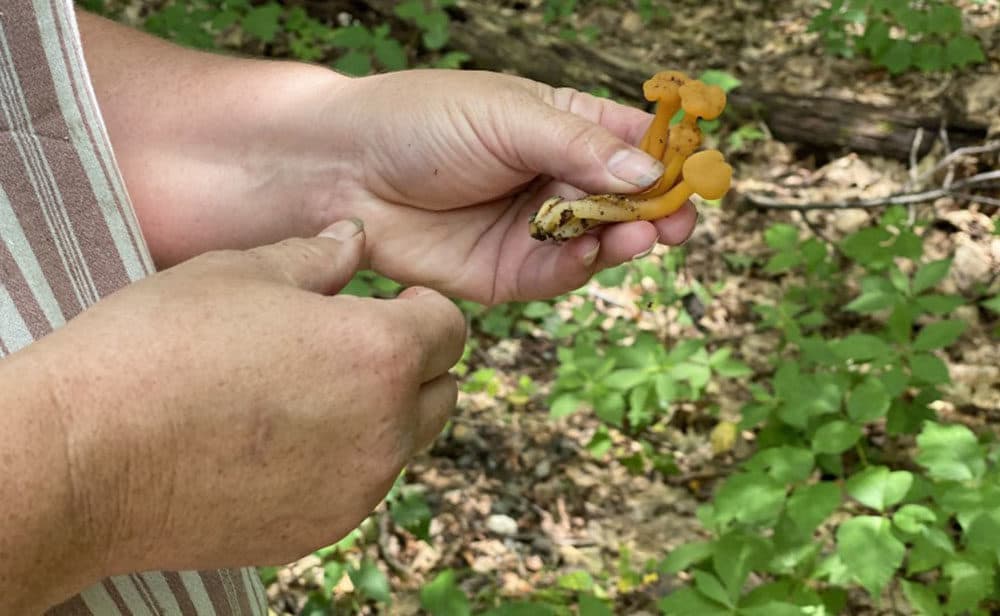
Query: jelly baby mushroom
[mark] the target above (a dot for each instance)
(699, 101)
(663, 88)
(706, 174)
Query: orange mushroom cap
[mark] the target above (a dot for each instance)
(708, 174)
(684, 139)
(701, 100)
(664, 86)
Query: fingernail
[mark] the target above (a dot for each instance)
(645, 253)
(590, 256)
(635, 167)
(343, 229)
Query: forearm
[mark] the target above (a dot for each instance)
(47, 551)
(202, 139)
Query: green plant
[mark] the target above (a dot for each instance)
(899, 34)
(835, 497)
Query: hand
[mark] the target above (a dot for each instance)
(229, 412)
(452, 164)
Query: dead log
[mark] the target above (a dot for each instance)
(497, 38)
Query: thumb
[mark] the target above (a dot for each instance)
(323, 264)
(573, 145)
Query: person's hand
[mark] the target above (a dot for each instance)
(230, 412)
(450, 166)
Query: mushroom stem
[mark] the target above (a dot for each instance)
(654, 142)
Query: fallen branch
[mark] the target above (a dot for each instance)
(768, 203)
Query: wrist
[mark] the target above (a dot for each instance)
(48, 547)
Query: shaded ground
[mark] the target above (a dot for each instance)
(505, 457)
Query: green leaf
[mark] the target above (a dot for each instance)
(939, 334)
(689, 602)
(412, 513)
(522, 608)
(333, 571)
(356, 63)
(623, 380)
(992, 304)
(963, 50)
(872, 301)
(749, 498)
(734, 557)
(868, 401)
(442, 596)
(929, 57)
(835, 437)
(878, 487)
(937, 304)
(860, 347)
(727, 81)
(590, 605)
(600, 443)
(809, 506)
(913, 519)
(923, 600)
(876, 37)
(930, 274)
(709, 585)
(929, 368)
(871, 552)
(410, 9)
(576, 580)
(969, 583)
(897, 57)
(785, 464)
(610, 408)
(944, 19)
(370, 581)
(867, 247)
(351, 37)
(950, 453)
(261, 22)
(564, 405)
(390, 54)
(686, 555)
(782, 237)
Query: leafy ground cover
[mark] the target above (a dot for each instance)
(796, 412)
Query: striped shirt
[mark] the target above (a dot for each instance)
(68, 237)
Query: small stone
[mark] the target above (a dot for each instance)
(850, 221)
(972, 265)
(632, 22)
(533, 563)
(542, 469)
(503, 525)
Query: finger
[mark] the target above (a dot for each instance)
(567, 140)
(675, 229)
(626, 241)
(437, 325)
(435, 404)
(323, 264)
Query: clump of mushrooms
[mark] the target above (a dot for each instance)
(685, 173)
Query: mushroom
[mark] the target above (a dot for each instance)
(684, 140)
(664, 88)
(700, 100)
(706, 174)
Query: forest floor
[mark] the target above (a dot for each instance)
(517, 498)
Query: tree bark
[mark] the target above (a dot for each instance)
(498, 39)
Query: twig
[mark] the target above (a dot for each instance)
(918, 140)
(384, 533)
(980, 198)
(768, 203)
(989, 146)
(814, 228)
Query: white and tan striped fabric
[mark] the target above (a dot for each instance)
(69, 236)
